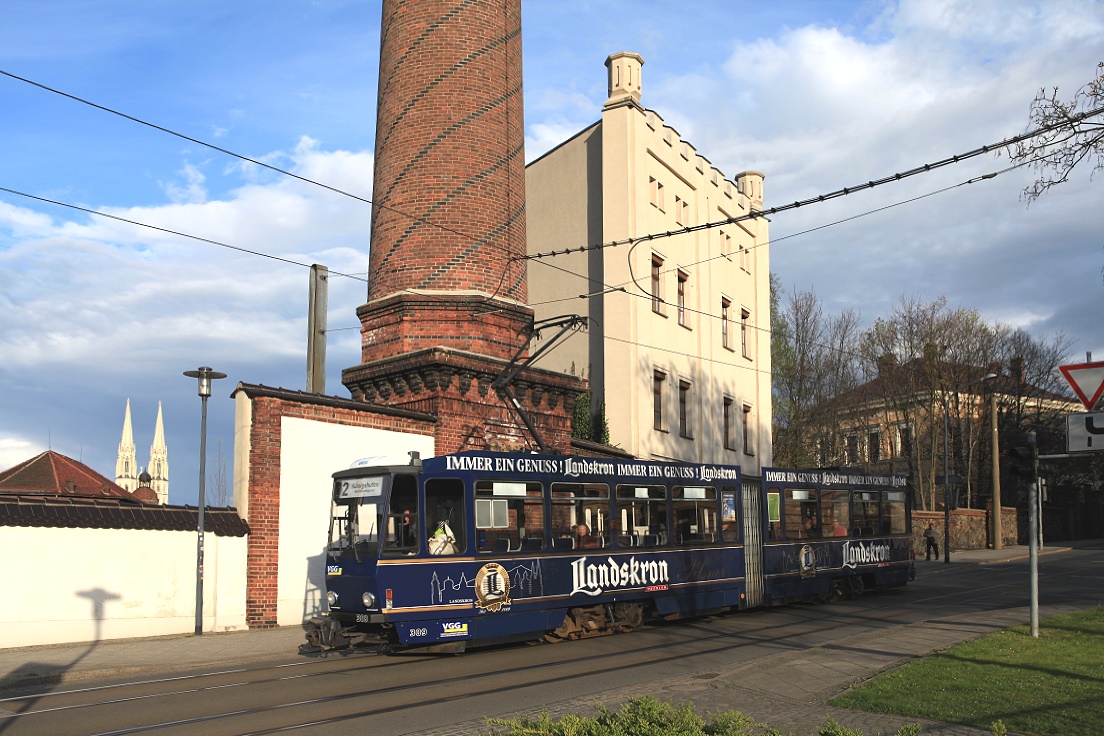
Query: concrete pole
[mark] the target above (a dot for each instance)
(946, 489)
(997, 544)
(1032, 534)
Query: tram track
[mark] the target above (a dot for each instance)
(415, 681)
(685, 633)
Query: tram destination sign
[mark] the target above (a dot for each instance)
(1085, 432)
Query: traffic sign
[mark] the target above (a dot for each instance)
(1086, 380)
(1085, 432)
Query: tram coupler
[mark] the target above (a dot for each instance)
(323, 634)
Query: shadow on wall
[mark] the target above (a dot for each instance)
(39, 674)
(315, 592)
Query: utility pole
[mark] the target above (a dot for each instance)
(1033, 531)
(997, 544)
(317, 309)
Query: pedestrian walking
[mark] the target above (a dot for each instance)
(930, 543)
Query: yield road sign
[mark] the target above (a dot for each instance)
(1086, 380)
(1085, 432)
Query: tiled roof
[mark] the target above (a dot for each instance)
(38, 510)
(919, 375)
(53, 474)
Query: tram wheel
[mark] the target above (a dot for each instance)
(628, 616)
(856, 587)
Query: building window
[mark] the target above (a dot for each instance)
(682, 278)
(659, 378)
(745, 347)
(748, 433)
(745, 258)
(726, 243)
(726, 338)
(874, 446)
(678, 210)
(657, 294)
(902, 440)
(656, 193)
(684, 410)
(726, 437)
(852, 449)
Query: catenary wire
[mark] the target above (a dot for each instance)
(170, 231)
(764, 213)
(925, 168)
(538, 256)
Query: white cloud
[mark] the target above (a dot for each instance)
(191, 191)
(91, 301)
(14, 450)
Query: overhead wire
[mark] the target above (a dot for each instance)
(422, 220)
(248, 159)
(169, 231)
(634, 241)
(755, 214)
(768, 330)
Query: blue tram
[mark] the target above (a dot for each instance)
(488, 546)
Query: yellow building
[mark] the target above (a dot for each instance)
(678, 349)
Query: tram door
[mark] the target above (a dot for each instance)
(753, 540)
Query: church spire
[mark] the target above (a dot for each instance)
(126, 464)
(159, 461)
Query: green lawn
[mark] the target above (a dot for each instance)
(1050, 686)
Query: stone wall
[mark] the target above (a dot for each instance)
(969, 528)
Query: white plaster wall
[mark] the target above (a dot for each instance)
(77, 585)
(310, 453)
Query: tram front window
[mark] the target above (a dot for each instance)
(357, 515)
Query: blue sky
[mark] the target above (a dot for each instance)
(817, 95)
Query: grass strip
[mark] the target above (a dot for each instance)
(1050, 686)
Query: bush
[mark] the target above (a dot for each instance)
(638, 717)
(650, 717)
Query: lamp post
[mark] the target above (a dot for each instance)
(947, 469)
(205, 376)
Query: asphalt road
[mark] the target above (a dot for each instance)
(368, 693)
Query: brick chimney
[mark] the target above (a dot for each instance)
(447, 296)
(448, 216)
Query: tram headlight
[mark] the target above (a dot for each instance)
(368, 600)
(331, 598)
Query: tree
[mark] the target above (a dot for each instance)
(813, 358)
(222, 495)
(922, 354)
(1073, 132)
(588, 425)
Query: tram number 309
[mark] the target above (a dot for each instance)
(416, 633)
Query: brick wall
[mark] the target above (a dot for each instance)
(269, 407)
(455, 387)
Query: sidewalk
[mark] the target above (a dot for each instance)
(787, 690)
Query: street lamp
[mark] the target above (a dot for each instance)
(947, 469)
(205, 376)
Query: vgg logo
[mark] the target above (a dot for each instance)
(333, 569)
